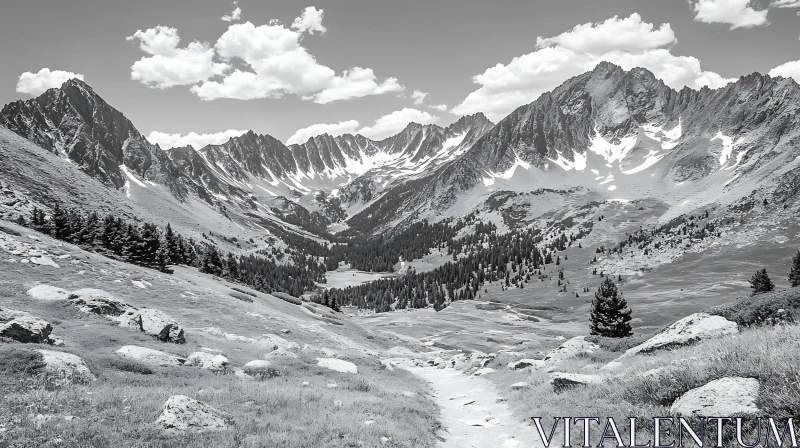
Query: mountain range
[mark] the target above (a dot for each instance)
(608, 134)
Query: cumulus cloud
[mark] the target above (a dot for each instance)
(395, 122)
(334, 129)
(269, 61)
(736, 13)
(37, 83)
(168, 65)
(787, 70)
(193, 139)
(627, 42)
(439, 107)
(630, 34)
(234, 16)
(310, 21)
(419, 96)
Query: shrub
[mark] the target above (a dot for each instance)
(249, 293)
(762, 309)
(242, 297)
(287, 298)
(16, 361)
(617, 344)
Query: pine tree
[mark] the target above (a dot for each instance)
(211, 263)
(610, 314)
(794, 273)
(760, 282)
(59, 226)
(232, 266)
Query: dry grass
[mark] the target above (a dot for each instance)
(120, 407)
(769, 354)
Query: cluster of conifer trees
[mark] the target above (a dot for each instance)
(146, 245)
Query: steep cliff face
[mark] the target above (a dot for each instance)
(74, 122)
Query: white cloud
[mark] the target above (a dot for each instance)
(787, 70)
(439, 107)
(168, 65)
(736, 13)
(419, 96)
(309, 21)
(395, 122)
(333, 129)
(503, 88)
(630, 34)
(38, 83)
(234, 17)
(281, 65)
(197, 141)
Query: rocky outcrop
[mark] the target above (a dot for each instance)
(525, 363)
(151, 357)
(258, 368)
(338, 365)
(275, 342)
(23, 327)
(208, 361)
(97, 301)
(689, 330)
(182, 414)
(520, 386)
(66, 367)
(570, 349)
(153, 323)
(561, 381)
(724, 397)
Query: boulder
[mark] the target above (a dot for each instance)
(471, 362)
(48, 293)
(97, 301)
(208, 361)
(23, 327)
(65, 366)
(182, 413)
(338, 365)
(519, 386)
(483, 371)
(280, 354)
(258, 368)
(153, 323)
(525, 363)
(150, 356)
(570, 349)
(689, 330)
(386, 364)
(275, 342)
(44, 260)
(561, 381)
(720, 398)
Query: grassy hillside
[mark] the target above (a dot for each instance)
(119, 408)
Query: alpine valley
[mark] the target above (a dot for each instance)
(477, 246)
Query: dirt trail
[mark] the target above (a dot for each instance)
(473, 411)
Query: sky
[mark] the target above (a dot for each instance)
(203, 71)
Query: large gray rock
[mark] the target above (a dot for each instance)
(274, 342)
(48, 293)
(97, 301)
(208, 361)
(23, 327)
(570, 349)
(65, 366)
(182, 413)
(561, 381)
(153, 323)
(724, 397)
(689, 330)
(280, 354)
(258, 368)
(525, 363)
(150, 356)
(338, 365)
